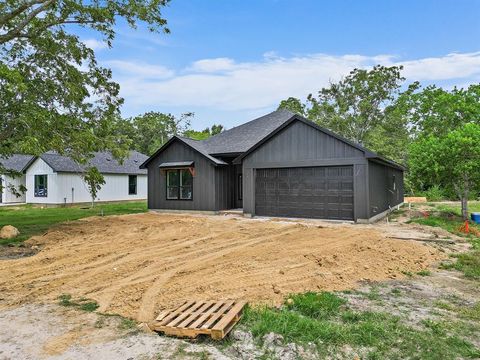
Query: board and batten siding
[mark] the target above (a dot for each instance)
(7, 195)
(40, 167)
(382, 191)
(204, 192)
(301, 145)
(68, 188)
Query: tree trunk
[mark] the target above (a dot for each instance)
(465, 206)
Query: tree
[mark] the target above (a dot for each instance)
(294, 105)
(452, 160)
(150, 131)
(204, 134)
(94, 180)
(216, 129)
(363, 108)
(54, 95)
(437, 111)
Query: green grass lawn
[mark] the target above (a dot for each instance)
(473, 206)
(448, 217)
(326, 320)
(31, 220)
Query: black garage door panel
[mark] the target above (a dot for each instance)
(314, 192)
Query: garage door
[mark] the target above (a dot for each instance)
(314, 192)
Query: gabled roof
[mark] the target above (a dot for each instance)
(368, 154)
(233, 141)
(202, 148)
(244, 139)
(103, 161)
(16, 162)
(196, 145)
(241, 138)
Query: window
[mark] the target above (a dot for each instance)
(132, 184)
(179, 184)
(240, 187)
(41, 186)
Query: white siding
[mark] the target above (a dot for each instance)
(40, 167)
(7, 195)
(70, 188)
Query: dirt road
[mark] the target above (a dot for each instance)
(135, 265)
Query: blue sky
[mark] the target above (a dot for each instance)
(232, 60)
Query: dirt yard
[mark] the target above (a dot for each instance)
(136, 265)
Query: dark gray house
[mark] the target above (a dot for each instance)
(280, 164)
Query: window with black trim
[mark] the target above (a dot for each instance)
(240, 187)
(132, 184)
(179, 184)
(40, 186)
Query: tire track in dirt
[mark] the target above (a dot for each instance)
(136, 265)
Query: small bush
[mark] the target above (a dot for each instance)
(435, 193)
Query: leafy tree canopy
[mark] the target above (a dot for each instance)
(148, 132)
(204, 134)
(452, 160)
(362, 108)
(437, 111)
(54, 95)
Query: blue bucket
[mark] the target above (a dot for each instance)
(475, 217)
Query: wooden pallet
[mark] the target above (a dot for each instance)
(192, 318)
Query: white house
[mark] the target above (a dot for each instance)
(16, 163)
(55, 179)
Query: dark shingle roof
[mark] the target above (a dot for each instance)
(241, 138)
(104, 162)
(201, 147)
(16, 162)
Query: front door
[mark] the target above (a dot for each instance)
(238, 201)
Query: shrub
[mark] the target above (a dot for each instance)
(435, 193)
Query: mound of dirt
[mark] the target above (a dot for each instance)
(9, 232)
(136, 265)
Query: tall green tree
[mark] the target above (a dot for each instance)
(437, 111)
(54, 95)
(150, 131)
(363, 108)
(204, 134)
(296, 106)
(452, 160)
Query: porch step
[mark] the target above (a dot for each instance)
(231, 212)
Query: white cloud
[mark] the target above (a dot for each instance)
(451, 66)
(140, 71)
(213, 65)
(95, 44)
(225, 85)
